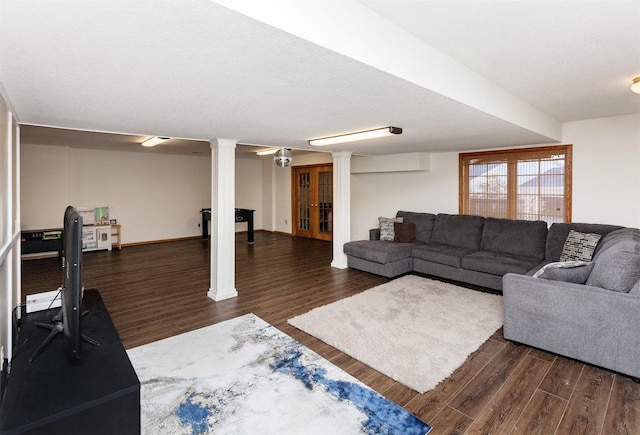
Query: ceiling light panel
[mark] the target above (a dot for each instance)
(361, 135)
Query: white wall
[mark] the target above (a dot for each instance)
(249, 190)
(606, 179)
(267, 188)
(153, 196)
(383, 194)
(606, 169)
(44, 185)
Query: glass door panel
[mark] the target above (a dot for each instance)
(304, 201)
(325, 202)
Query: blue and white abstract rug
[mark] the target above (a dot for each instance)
(244, 376)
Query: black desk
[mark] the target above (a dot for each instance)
(242, 215)
(50, 395)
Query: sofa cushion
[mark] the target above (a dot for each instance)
(442, 254)
(424, 224)
(568, 271)
(462, 231)
(404, 233)
(377, 250)
(623, 238)
(386, 227)
(616, 269)
(498, 264)
(558, 233)
(514, 237)
(579, 246)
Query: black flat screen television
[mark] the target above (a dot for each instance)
(68, 320)
(72, 283)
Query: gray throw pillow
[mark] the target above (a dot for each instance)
(386, 227)
(616, 270)
(579, 246)
(571, 271)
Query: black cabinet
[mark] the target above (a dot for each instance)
(41, 241)
(52, 395)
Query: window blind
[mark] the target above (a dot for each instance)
(527, 183)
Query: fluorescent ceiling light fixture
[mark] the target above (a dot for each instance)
(153, 141)
(268, 151)
(635, 87)
(361, 135)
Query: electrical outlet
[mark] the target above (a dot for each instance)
(286, 221)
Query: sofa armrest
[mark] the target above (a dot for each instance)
(591, 324)
(374, 234)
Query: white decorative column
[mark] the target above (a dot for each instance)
(222, 236)
(341, 206)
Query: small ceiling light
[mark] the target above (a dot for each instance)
(635, 87)
(283, 157)
(268, 151)
(361, 135)
(153, 141)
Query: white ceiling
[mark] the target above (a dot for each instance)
(198, 70)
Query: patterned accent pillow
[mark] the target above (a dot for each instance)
(579, 246)
(386, 227)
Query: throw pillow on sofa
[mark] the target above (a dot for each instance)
(616, 270)
(386, 227)
(568, 271)
(579, 246)
(404, 232)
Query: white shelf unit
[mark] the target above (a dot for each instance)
(96, 237)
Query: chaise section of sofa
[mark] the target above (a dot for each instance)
(387, 258)
(384, 258)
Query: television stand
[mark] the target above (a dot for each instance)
(100, 395)
(56, 327)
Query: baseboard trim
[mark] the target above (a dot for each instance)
(152, 242)
(218, 295)
(179, 239)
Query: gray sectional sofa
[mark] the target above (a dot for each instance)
(464, 248)
(587, 310)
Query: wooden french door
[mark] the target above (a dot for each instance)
(312, 191)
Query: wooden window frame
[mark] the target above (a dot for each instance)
(512, 157)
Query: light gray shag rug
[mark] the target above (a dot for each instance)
(415, 330)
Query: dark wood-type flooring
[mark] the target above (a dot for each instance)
(159, 290)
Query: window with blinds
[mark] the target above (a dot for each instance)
(528, 183)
